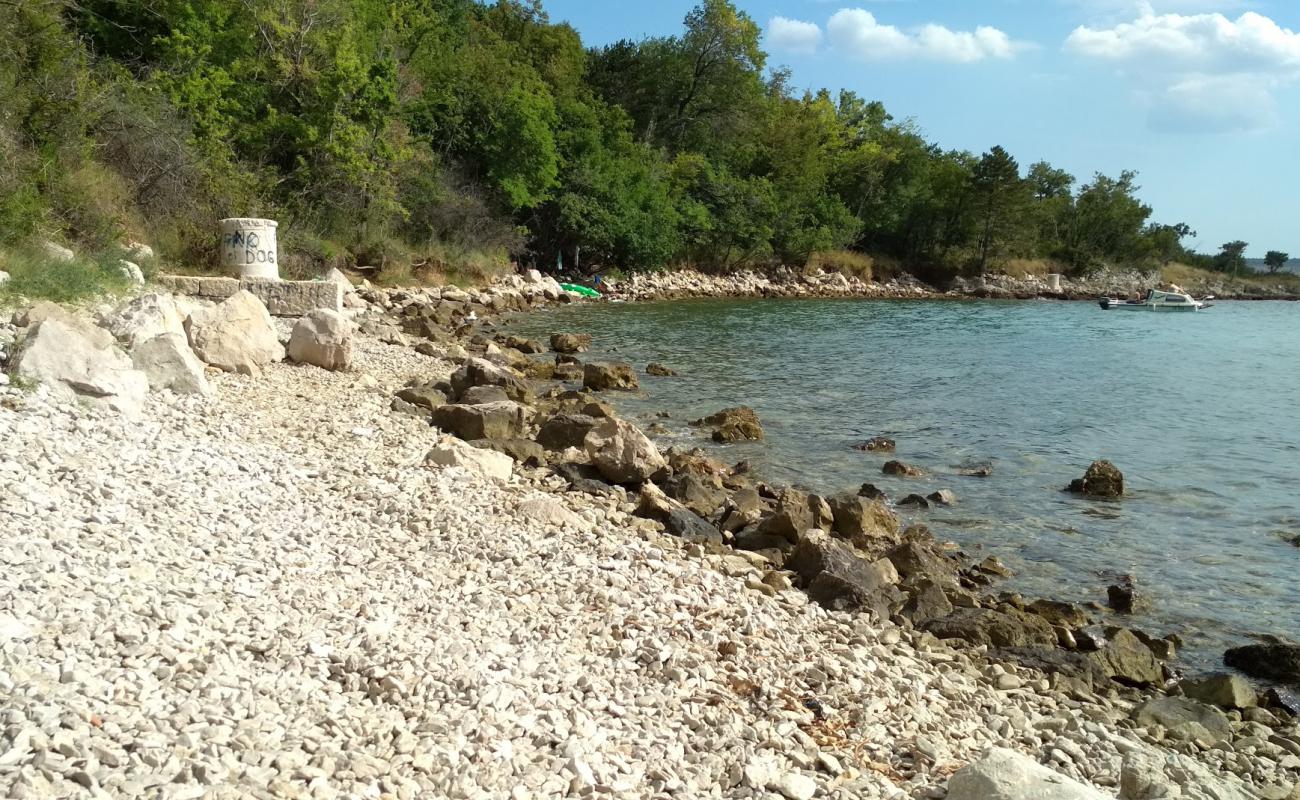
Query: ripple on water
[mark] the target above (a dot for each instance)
(1196, 409)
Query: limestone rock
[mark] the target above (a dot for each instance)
(563, 431)
(738, 424)
(866, 523)
(236, 335)
(56, 252)
(838, 578)
(144, 317)
(1103, 479)
(1007, 775)
(424, 394)
(169, 363)
(676, 518)
(481, 372)
(131, 271)
(81, 360)
(500, 420)
(452, 452)
(993, 628)
(4, 277)
(660, 371)
(902, 470)
(1127, 659)
(1148, 774)
(797, 513)
(547, 512)
(323, 338)
(1223, 690)
(622, 453)
(1184, 718)
(523, 451)
(570, 342)
(599, 377)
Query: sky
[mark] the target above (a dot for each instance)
(1200, 97)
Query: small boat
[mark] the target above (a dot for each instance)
(1157, 300)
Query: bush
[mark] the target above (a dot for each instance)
(35, 276)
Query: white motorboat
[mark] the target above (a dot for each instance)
(1157, 300)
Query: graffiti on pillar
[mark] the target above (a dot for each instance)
(245, 247)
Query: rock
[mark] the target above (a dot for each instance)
(839, 579)
(478, 395)
(994, 628)
(733, 425)
(599, 377)
(481, 372)
(322, 338)
(876, 444)
(452, 452)
(914, 501)
(976, 471)
(917, 560)
(337, 277)
(1222, 690)
(622, 453)
(570, 342)
(676, 518)
(927, 600)
(1149, 774)
(943, 497)
(57, 252)
(131, 271)
(1007, 775)
(659, 370)
(1127, 659)
(868, 524)
(1125, 598)
(500, 420)
(796, 513)
(547, 512)
(697, 494)
(139, 250)
(144, 317)
(168, 363)
(1185, 719)
(523, 345)
(78, 359)
(1282, 700)
(424, 395)
(871, 492)
(562, 431)
(1277, 661)
(1059, 612)
(902, 470)
(1103, 479)
(793, 786)
(236, 335)
(523, 451)
(4, 277)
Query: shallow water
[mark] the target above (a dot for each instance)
(1200, 411)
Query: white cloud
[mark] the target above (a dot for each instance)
(1199, 72)
(793, 35)
(857, 32)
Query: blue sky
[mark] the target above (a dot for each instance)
(1201, 97)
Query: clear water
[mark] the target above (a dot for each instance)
(1200, 411)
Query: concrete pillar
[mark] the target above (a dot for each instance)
(248, 245)
(1054, 282)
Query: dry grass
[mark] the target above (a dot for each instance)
(846, 262)
(1031, 267)
(1196, 279)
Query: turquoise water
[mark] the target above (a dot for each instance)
(1200, 411)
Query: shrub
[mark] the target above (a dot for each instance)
(34, 276)
(846, 262)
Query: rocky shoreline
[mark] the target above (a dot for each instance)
(786, 283)
(438, 564)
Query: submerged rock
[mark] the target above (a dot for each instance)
(569, 343)
(1125, 598)
(876, 444)
(737, 424)
(902, 470)
(1103, 479)
(659, 370)
(599, 377)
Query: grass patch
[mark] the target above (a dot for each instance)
(846, 262)
(36, 276)
(1194, 278)
(1031, 267)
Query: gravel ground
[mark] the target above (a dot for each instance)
(268, 594)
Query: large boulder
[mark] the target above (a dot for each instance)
(76, 359)
(169, 363)
(676, 518)
(622, 453)
(994, 628)
(1103, 479)
(236, 335)
(523, 451)
(322, 338)
(738, 424)
(700, 495)
(563, 431)
(1126, 659)
(797, 513)
(481, 372)
(501, 420)
(1003, 774)
(1223, 690)
(1275, 661)
(144, 317)
(1184, 718)
(452, 452)
(570, 342)
(599, 377)
(1151, 774)
(918, 560)
(867, 523)
(838, 578)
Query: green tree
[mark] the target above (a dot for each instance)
(1231, 257)
(1000, 198)
(1276, 260)
(1166, 241)
(1106, 223)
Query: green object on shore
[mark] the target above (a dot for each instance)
(582, 290)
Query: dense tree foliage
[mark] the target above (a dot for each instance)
(402, 131)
